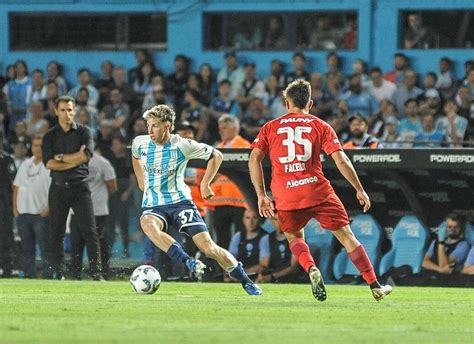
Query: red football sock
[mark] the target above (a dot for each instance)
(301, 251)
(362, 263)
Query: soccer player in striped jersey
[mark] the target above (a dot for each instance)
(159, 160)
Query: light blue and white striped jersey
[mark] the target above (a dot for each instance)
(163, 168)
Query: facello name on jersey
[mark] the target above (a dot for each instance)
(296, 167)
(300, 182)
(296, 120)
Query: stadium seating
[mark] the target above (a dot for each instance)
(408, 245)
(320, 243)
(369, 233)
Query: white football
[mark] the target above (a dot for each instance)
(145, 279)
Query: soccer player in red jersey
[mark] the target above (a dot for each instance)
(293, 143)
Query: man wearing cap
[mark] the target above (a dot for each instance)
(233, 72)
(251, 87)
(358, 127)
(391, 137)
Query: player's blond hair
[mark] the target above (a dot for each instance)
(163, 112)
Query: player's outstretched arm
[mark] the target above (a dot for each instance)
(344, 165)
(266, 208)
(212, 167)
(137, 168)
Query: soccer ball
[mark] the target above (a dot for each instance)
(145, 280)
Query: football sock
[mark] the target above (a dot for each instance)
(237, 272)
(301, 251)
(177, 253)
(362, 263)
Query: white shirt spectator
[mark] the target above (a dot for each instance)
(100, 171)
(33, 183)
(385, 91)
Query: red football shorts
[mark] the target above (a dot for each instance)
(330, 214)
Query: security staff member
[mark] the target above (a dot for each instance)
(7, 174)
(67, 149)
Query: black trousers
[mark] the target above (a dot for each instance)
(79, 243)
(61, 199)
(6, 232)
(119, 214)
(224, 217)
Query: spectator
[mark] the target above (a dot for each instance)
(468, 268)
(446, 83)
(36, 122)
(334, 65)
(82, 101)
(156, 97)
(430, 80)
(102, 183)
(333, 86)
(378, 87)
(452, 125)
(37, 90)
(466, 109)
(220, 105)
(11, 73)
(406, 91)
(85, 78)
(55, 73)
(246, 244)
(410, 126)
(7, 175)
(232, 72)
(30, 207)
(141, 55)
(322, 99)
(16, 91)
(350, 37)
(447, 253)
(249, 37)
(323, 36)
(143, 82)
(469, 81)
(418, 36)
(359, 67)
(251, 87)
(401, 65)
(83, 117)
(194, 83)
(105, 136)
(378, 125)
(125, 88)
(391, 137)
(273, 99)
(432, 102)
(253, 119)
(229, 202)
(429, 137)
(20, 153)
(358, 127)
(196, 114)
(105, 83)
(208, 83)
(119, 202)
(277, 69)
(20, 134)
(299, 66)
(275, 34)
(280, 265)
(176, 82)
(117, 110)
(358, 99)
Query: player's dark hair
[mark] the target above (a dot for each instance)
(299, 92)
(64, 99)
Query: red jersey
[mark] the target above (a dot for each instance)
(294, 143)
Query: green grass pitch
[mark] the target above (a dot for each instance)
(93, 312)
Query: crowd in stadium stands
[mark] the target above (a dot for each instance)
(369, 108)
